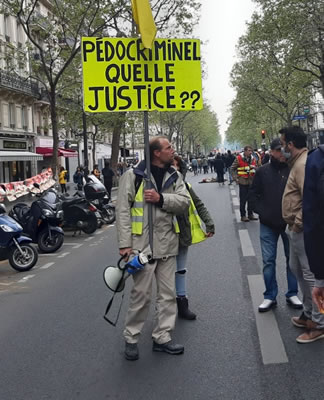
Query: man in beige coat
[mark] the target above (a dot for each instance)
(168, 198)
(293, 140)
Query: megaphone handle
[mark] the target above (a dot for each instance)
(120, 260)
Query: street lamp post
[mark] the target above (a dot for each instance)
(85, 143)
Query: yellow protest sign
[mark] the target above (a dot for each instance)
(120, 75)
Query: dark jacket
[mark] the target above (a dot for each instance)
(219, 165)
(266, 194)
(313, 211)
(184, 224)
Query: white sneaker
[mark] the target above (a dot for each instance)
(266, 305)
(294, 302)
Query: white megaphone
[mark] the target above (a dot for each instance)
(115, 278)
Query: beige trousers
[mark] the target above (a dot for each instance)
(140, 299)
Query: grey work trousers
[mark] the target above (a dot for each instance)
(306, 280)
(140, 299)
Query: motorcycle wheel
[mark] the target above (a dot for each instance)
(23, 262)
(92, 225)
(47, 245)
(109, 215)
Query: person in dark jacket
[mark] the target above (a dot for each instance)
(108, 175)
(219, 168)
(78, 178)
(187, 237)
(313, 220)
(266, 196)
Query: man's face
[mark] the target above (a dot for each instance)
(286, 146)
(166, 154)
(248, 153)
(277, 154)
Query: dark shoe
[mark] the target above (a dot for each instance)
(253, 218)
(294, 302)
(131, 351)
(245, 219)
(183, 309)
(169, 348)
(266, 305)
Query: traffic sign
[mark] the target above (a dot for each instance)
(297, 117)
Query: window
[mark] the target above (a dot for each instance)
(7, 28)
(24, 118)
(12, 115)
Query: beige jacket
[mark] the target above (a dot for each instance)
(165, 240)
(292, 200)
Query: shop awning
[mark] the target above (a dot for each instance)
(19, 156)
(48, 152)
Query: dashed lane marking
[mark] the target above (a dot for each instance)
(77, 246)
(6, 283)
(69, 244)
(233, 192)
(89, 238)
(98, 232)
(46, 266)
(246, 244)
(271, 344)
(235, 201)
(237, 215)
(26, 278)
(47, 254)
(63, 255)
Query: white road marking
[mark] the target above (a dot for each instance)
(77, 246)
(237, 215)
(69, 244)
(6, 283)
(98, 232)
(271, 344)
(47, 254)
(233, 192)
(63, 255)
(89, 238)
(246, 244)
(47, 265)
(25, 278)
(235, 201)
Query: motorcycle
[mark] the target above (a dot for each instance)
(41, 221)
(14, 246)
(96, 192)
(79, 213)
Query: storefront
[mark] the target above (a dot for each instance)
(17, 162)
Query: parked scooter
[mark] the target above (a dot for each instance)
(41, 221)
(96, 192)
(79, 213)
(14, 246)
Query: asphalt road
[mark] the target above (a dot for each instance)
(56, 345)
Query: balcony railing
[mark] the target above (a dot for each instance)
(12, 81)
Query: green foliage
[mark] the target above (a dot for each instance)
(279, 67)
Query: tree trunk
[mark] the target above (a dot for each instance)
(54, 131)
(118, 126)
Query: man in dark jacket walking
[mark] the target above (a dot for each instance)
(266, 197)
(313, 220)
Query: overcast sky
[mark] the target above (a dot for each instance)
(222, 23)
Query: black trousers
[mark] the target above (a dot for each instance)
(108, 185)
(244, 198)
(220, 176)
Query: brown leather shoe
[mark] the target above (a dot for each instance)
(303, 322)
(311, 336)
(245, 219)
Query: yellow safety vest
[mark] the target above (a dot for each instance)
(197, 232)
(137, 213)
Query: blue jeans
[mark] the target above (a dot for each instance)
(269, 240)
(180, 276)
